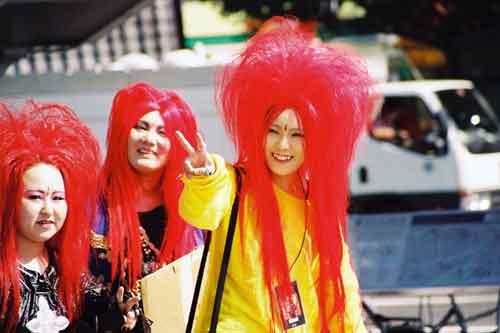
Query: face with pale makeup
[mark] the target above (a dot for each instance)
(284, 145)
(148, 144)
(43, 208)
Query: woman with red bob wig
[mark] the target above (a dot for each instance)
(294, 110)
(49, 162)
(140, 185)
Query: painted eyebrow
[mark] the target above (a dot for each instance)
(28, 192)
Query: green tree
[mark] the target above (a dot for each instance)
(305, 10)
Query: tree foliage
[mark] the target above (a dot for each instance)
(432, 21)
(263, 9)
(450, 25)
(465, 30)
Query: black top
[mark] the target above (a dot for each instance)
(153, 225)
(154, 222)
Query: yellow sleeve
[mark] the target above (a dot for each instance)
(205, 200)
(353, 321)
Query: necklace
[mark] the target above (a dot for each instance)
(306, 220)
(301, 244)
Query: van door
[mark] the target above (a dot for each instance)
(403, 162)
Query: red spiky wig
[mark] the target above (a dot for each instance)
(51, 134)
(331, 94)
(120, 182)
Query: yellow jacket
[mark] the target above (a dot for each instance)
(206, 203)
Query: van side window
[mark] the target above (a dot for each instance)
(407, 123)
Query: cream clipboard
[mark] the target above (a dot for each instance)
(168, 292)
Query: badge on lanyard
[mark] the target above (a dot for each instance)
(290, 308)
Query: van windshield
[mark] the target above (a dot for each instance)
(474, 118)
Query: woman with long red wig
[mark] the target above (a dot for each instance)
(140, 185)
(49, 162)
(294, 110)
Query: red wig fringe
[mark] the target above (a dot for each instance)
(331, 94)
(120, 182)
(51, 134)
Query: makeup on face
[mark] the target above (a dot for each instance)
(43, 207)
(284, 145)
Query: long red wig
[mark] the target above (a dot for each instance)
(51, 134)
(120, 182)
(331, 94)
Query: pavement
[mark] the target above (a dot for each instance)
(431, 309)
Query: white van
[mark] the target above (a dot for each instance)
(432, 145)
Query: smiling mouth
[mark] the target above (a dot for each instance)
(45, 222)
(282, 157)
(145, 151)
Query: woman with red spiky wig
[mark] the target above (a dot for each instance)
(294, 110)
(140, 186)
(48, 183)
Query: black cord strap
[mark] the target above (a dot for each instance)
(227, 254)
(199, 280)
(224, 265)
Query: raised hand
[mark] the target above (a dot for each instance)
(198, 162)
(128, 309)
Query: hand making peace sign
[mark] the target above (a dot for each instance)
(198, 162)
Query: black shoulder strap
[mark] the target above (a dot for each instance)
(199, 280)
(223, 270)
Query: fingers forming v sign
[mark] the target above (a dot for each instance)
(198, 162)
